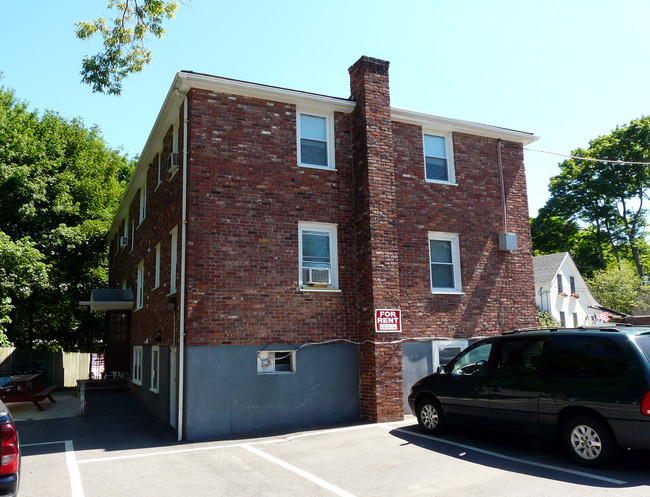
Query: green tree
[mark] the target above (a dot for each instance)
(124, 48)
(619, 287)
(59, 187)
(607, 198)
(22, 272)
(545, 319)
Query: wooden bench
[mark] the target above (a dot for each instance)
(33, 397)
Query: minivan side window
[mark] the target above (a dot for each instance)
(519, 358)
(472, 361)
(585, 357)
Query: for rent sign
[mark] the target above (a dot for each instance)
(388, 321)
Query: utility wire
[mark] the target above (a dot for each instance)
(589, 158)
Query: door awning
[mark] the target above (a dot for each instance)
(109, 300)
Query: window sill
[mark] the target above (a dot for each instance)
(311, 166)
(136, 382)
(447, 292)
(137, 309)
(310, 289)
(438, 182)
(170, 294)
(153, 390)
(156, 187)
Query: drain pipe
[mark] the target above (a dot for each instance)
(507, 241)
(503, 188)
(181, 331)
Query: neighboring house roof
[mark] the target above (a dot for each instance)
(547, 266)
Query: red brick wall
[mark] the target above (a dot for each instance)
(498, 286)
(246, 197)
(162, 214)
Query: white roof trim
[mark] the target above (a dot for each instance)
(186, 80)
(449, 125)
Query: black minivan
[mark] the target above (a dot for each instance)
(591, 387)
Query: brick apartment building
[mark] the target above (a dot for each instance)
(263, 230)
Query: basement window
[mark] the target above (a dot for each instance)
(276, 361)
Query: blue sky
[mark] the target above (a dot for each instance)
(567, 71)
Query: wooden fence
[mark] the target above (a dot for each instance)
(61, 368)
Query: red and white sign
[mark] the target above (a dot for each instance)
(388, 320)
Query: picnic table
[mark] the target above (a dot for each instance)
(28, 388)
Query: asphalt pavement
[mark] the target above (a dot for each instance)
(119, 449)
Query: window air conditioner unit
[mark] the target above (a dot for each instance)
(124, 241)
(172, 163)
(317, 277)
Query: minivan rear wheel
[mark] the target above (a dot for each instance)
(430, 416)
(589, 441)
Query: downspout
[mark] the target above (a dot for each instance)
(181, 331)
(507, 241)
(503, 188)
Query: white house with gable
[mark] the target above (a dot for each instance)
(561, 291)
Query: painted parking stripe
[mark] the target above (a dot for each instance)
(509, 458)
(284, 439)
(71, 462)
(314, 479)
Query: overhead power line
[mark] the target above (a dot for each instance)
(590, 158)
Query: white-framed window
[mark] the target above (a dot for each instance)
(173, 259)
(445, 350)
(318, 256)
(315, 142)
(575, 320)
(560, 284)
(444, 258)
(125, 235)
(143, 203)
(137, 365)
(175, 138)
(276, 361)
(438, 158)
(572, 284)
(156, 281)
(155, 369)
(132, 234)
(139, 300)
(562, 319)
(160, 171)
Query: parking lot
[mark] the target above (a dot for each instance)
(113, 452)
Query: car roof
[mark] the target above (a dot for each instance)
(617, 328)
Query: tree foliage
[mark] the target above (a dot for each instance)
(59, 188)
(546, 319)
(124, 47)
(620, 288)
(605, 201)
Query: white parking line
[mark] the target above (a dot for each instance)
(515, 459)
(314, 479)
(71, 461)
(181, 450)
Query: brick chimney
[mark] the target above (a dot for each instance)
(376, 228)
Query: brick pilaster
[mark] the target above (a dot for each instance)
(377, 249)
